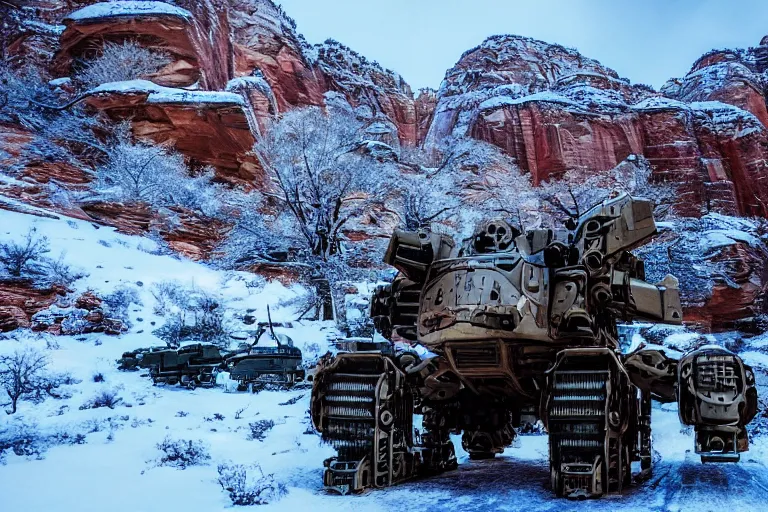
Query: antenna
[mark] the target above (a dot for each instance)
(575, 202)
(271, 328)
(520, 221)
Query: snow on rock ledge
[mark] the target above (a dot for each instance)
(103, 10)
(197, 40)
(159, 94)
(213, 127)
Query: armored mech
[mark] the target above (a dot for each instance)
(520, 327)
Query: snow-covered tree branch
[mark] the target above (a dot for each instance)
(320, 175)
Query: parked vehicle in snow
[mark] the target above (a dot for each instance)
(140, 358)
(191, 365)
(259, 364)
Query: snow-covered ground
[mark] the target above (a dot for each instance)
(113, 466)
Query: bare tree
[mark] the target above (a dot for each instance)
(258, 234)
(120, 62)
(579, 190)
(462, 179)
(320, 176)
(422, 199)
(23, 376)
(19, 259)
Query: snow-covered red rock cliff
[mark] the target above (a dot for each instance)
(236, 64)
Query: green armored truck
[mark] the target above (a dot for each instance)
(280, 364)
(191, 365)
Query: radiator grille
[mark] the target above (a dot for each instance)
(471, 358)
(720, 374)
(578, 394)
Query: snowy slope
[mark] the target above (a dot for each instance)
(120, 443)
(116, 468)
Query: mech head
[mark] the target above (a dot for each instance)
(492, 236)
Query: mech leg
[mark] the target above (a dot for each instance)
(437, 451)
(645, 441)
(362, 407)
(591, 414)
(715, 392)
(488, 431)
(717, 395)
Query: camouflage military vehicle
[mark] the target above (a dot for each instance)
(279, 364)
(191, 365)
(140, 358)
(520, 327)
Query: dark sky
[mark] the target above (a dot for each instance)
(646, 41)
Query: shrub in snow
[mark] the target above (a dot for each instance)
(27, 259)
(170, 296)
(17, 88)
(182, 453)
(191, 313)
(26, 439)
(73, 320)
(259, 429)
(66, 135)
(120, 62)
(21, 438)
(58, 272)
(24, 376)
(24, 259)
(104, 398)
(249, 485)
(68, 438)
(116, 304)
(140, 171)
(172, 331)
